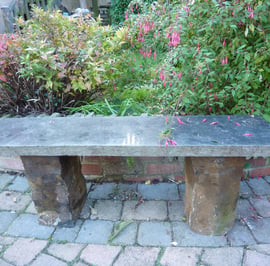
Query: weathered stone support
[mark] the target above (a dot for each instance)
(58, 188)
(212, 189)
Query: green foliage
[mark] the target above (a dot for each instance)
(215, 54)
(119, 8)
(57, 61)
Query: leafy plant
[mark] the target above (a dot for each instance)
(215, 54)
(55, 62)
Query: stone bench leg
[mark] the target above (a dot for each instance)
(58, 188)
(212, 189)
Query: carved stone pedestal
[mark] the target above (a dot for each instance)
(212, 188)
(58, 188)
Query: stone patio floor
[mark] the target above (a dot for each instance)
(153, 222)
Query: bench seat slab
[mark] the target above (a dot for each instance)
(212, 189)
(58, 188)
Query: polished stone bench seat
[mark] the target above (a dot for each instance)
(214, 147)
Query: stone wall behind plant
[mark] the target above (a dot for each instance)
(139, 169)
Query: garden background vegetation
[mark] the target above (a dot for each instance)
(170, 57)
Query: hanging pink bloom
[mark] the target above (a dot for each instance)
(224, 43)
(179, 76)
(154, 55)
(126, 15)
(161, 75)
(175, 38)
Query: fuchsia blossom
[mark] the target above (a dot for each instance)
(154, 55)
(161, 75)
(175, 38)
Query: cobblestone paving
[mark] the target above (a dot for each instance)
(155, 231)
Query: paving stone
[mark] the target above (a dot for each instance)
(102, 191)
(3, 263)
(262, 205)
(128, 236)
(95, 232)
(240, 235)
(259, 229)
(254, 258)
(6, 219)
(20, 184)
(5, 179)
(45, 260)
(245, 191)
(160, 191)
(229, 256)
(260, 187)
(100, 255)
(174, 256)
(176, 210)
(67, 234)
(263, 248)
(5, 240)
(148, 210)
(267, 178)
(26, 225)
(138, 256)
(24, 250)
(243, 209)
(186, 238)
(86, 210)
(80, 263)
(107, 210)
(13, 201)
(31, 208)
(154, 234)
(67, 252)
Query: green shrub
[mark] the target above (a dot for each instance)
(119, 8)
(55, 62)
(215, 54)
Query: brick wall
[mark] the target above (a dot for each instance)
(139, 169)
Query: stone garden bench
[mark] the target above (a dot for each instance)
(214, 147)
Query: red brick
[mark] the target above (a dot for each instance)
(260, 172)
(259, 162)
(91, 169)
(168, 168)
(89, 159)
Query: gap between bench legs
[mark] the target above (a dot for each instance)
(58, 188)
(212, 189)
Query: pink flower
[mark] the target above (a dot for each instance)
(126, 15)
(204, 120)
(161, 75)
(154, 55)
(179, 76)
(180, 121)
(175, 38)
